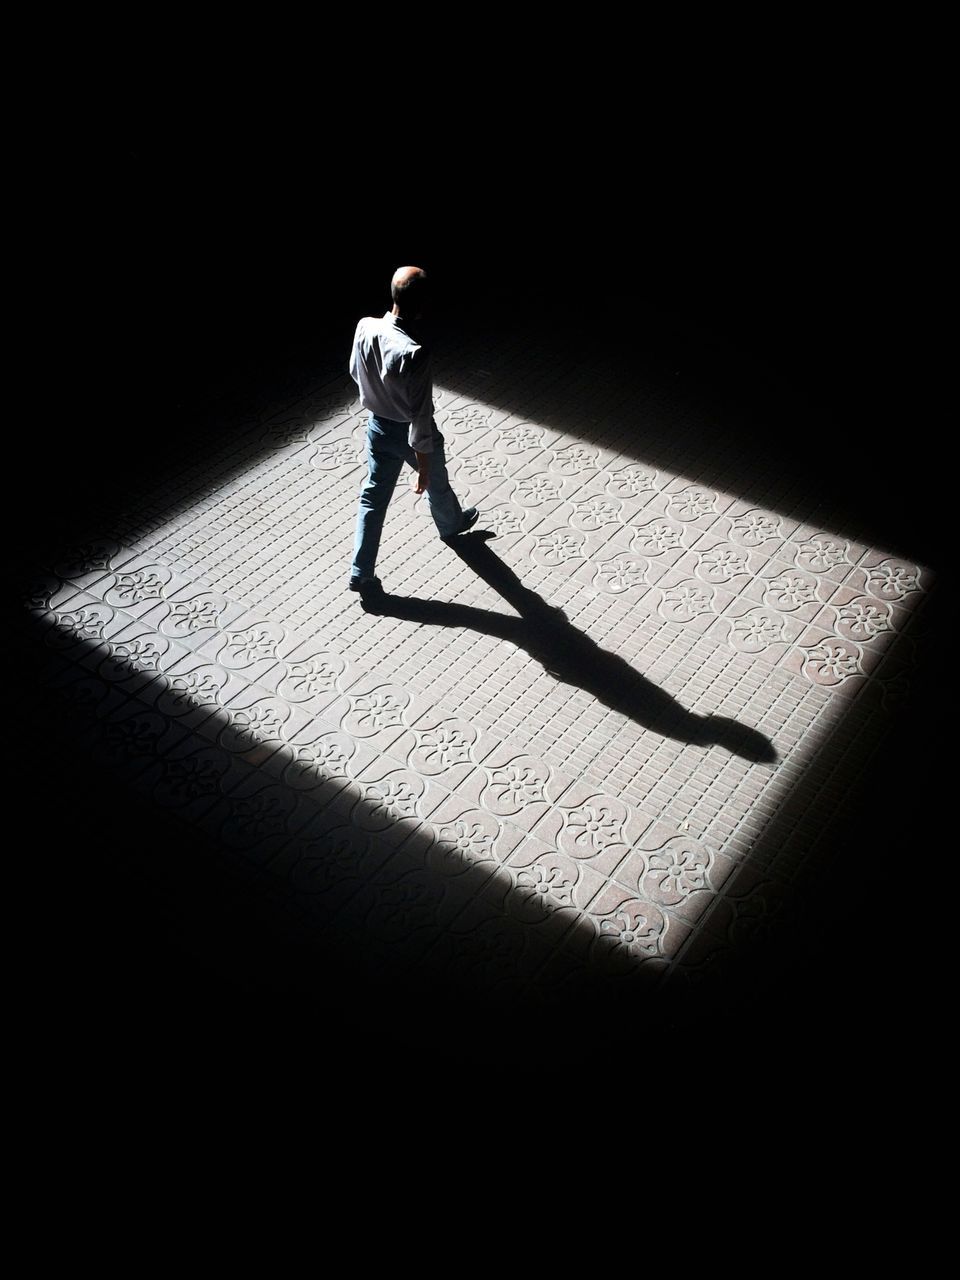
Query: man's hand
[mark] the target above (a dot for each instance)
(423, 473)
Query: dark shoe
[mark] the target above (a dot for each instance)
(470, 518)
(365, 585)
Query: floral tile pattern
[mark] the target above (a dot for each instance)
(580, 788)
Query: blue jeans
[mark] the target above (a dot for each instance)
(387, 451)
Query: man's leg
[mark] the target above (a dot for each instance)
(384, 465)
(443, 502)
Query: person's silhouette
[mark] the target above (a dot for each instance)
(390, 362)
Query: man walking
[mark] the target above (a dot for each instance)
(392, 368)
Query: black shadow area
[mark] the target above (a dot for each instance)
(203, 284)
(197, 886)
(570, 654)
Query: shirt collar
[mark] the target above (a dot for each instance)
(409, 327)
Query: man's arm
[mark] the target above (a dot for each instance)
(420, 383)
(422, 478)
(354, 353)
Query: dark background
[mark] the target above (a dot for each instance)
(765, 256)
(772, 249)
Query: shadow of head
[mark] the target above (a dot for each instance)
(738, 739)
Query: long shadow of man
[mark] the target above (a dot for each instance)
(570, 655)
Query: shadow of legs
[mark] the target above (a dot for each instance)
(570, 655)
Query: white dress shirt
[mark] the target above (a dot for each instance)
(395, 377)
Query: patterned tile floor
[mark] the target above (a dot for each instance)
(590, 753)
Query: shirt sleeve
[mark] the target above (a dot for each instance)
(354, 374)
(419, 378)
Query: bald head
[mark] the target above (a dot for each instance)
(408, 289)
